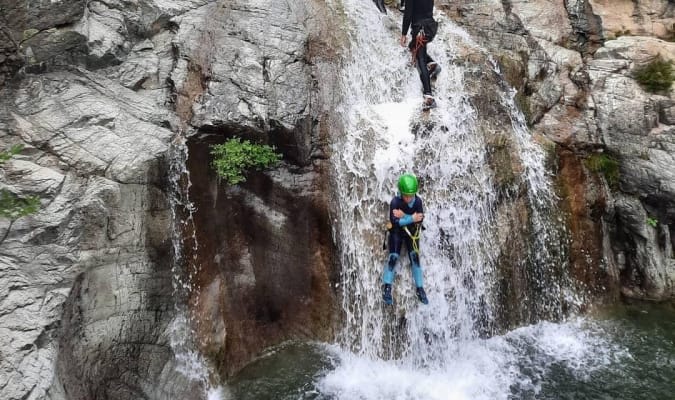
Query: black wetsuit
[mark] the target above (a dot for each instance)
(416, 11)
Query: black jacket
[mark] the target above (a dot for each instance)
(415, 12)
(398, 203)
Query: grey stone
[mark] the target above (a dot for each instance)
(250, 73)
(543, 19)
(586, 26)
(584, 96)
(39, 15)
(100, 216)
(668, 113)
(58, 46)
(86, 293)
(20, 20)
(649, 270)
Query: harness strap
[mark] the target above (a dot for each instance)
(415, 238)
(420, 40)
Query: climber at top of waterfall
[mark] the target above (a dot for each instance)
(406, 214)
(418, 17)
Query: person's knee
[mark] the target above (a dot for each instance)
(393, 258)
(414, 258)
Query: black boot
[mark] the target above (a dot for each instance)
(386, 294)
(422, 296)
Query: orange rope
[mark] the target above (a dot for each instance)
(420, 40)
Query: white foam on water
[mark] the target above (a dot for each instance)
(218, 393)
(477, 369)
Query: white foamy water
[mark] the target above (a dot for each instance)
(490, 369)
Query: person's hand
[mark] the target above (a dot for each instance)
(404, 38)
(398, 213)
(418, 217)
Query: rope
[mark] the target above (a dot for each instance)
(420, 40)
(415, 238)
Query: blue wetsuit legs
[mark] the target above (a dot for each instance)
(388, 277)
(416, 269)
(395, 244)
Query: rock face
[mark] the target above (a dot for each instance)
(97, 92)
(265, 259)
(576, 87)
(265, 255)
(642, 18)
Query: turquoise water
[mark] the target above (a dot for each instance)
(628, 353)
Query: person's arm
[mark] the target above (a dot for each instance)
(406, 219)
(393, 207)
(396, 214)
(419, 209)
(416, 217)
(419, 205)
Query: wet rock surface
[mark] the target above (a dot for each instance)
(265, 261)
(96, 92)
(574, 72)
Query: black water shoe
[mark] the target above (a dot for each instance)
(386, 294)
(422, 296)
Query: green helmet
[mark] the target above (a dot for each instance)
(407, 184)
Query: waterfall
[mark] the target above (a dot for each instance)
(550, 242)
(413, 351)
(188, 361)
(384, 138)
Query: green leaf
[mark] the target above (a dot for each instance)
(656, 76)
(13, 207)
(234, 158)
(608, 166)
(7, 154)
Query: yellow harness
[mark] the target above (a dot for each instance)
(415, 238)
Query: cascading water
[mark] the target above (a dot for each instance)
(189, 362)
(549, 243)
(412, 351)
(381, 101)
(448, 155)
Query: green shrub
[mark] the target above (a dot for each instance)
(653, 222)
(233, 158)
(13, 207)
(607, 166)
(7, 154)
(656, 76)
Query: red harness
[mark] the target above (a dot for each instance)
(420, 40)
